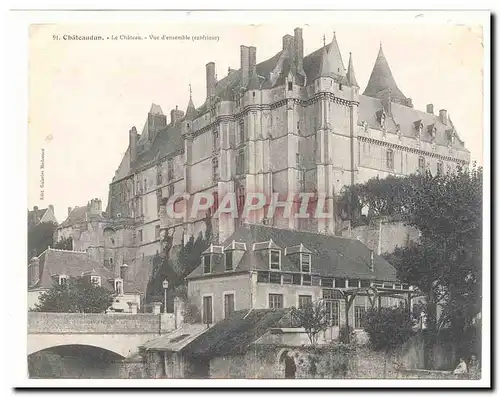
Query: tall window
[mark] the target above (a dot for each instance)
(240, 162)
(275, 301)
(145, 185)
(140, 236)
(228, 304)
(157, 231)
(275, 260)
(63, 280)
(305, 301)
(333, 312)
(305, 263)
(228, 258)
(421, 165)
(171, 190)
(240, 200)
(159, 198)
(215, 169)
(207, 264)
(290, 86)
(207, 310)
(359, 316)
(440, 168)
(241, 132)
(170, 169)
(215, 139)
(390, 159)
(159, 176)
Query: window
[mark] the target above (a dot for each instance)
(421, 165)
(340, 87)
(63, 280)
(171, 190)
(138, 187)
(159, 198)
(440, 168)
(275, 278)
(215, 139)
(228, 304)
(290, 86)
(275, 301)
(140, 236)
(359, 316)
(157, 231)
(263, 277)
(170, 169)
(145, 185)
(95, 280)
(119, 287)
(304, 301)
(159, 177)
(306, 279)
(390, 159)
(275, 260)
(287, 278)
(297, 279)
(333, 312)
(327, 282)
(353, 283)
(241, 132)
(207, 264)
(215, 169)
(305, 263)
(229, 260)
(316, 280)
(339, 283)
(365, 283)
(207, 310)
(240, 162)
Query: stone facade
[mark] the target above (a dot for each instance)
(289, 124)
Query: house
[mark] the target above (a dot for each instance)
(38, 215)
(262, 267)
(57, 266)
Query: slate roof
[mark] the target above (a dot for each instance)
(332, 256)
(235, 333)
(177, 339)
(81, 214)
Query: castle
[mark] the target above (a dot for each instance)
(291, 123)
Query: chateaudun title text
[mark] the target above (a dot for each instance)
(136, 37)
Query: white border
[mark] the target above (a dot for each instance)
(15, 142)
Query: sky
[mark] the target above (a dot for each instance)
(84, 96)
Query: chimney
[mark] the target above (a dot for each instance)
(35, 208)
(252, 60)
(210, 69)
(51, 207)
(176, 115)
(299, 48)
(132, 142)
(288, 43)
(430, 108)
(123, 271)
(69, 210)
(443, 116)
(244, 65)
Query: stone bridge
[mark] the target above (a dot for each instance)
(121, 334)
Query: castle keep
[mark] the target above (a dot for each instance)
(291, 123)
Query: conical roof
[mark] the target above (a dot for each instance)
(331, 62)
(191, 112)
(351, 76)
(381, 79)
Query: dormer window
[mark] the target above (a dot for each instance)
(275, 259)
(95, 280)
(305, 263)
(207, 264)
(63, 280)
(228, 260)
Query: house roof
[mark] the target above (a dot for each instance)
(72, 264)
(177, 339)
(331, 256)
(82, 214)
(233, 334)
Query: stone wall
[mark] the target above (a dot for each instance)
(62, 323)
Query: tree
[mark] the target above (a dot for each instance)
(78, 295)
(64, 244)
(387, 328)
(40, 237)
(312, 317)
